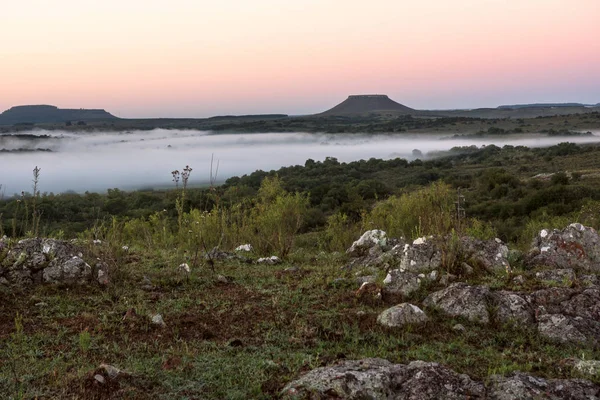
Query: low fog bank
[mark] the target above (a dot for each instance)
(141, 159)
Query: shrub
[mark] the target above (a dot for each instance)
(428, 211)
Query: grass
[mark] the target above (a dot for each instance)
(244, 339)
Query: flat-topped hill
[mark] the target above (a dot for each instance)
(364, 104)
(48, 114)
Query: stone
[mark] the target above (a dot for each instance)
(184, 267)
(273, 260)
(401, 315)
(585, 304)
(157, 319)
(576, 247)
(244, 247)
(41, 260)
(368, 240)
(423, 255)
(100, 379)
(379, 379)
(566, 329)
(462, 300)
(74, 270)
(222, 279)
(518, 386)
(512, 308)
(459, 328)
(492, 255)
(400, 284)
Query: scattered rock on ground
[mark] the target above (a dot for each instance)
(566, 275)
(157, 319)
(400, 284)
(273, 260)
(522, 386)
(401, 315)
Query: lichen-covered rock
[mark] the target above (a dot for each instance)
(519, 386)
(369, 239)
(551, 300)
(380, 379)
(370, 378)
(513, 308)
(576, 246)
(400, 284)
(401, 315)
(74, 270)
(421, 380)
(489, 254)
(462, 300)
(39, 260)
(585, 304)
(425, 254)
(567, 329)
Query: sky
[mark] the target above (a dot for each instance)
(197, 58)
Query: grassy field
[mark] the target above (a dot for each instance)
(244, 338)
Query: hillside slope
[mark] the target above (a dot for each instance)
(364, 104)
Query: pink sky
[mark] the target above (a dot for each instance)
(196, 58)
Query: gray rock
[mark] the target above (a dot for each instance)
(100, 379)
(38, 260)
(74, 270)
(157, 319)
(401, 315)
(585, 304)
(566, 329)
(369, 239)
(459, 328)
(379, 379)
(425, 254)
(273, 260)
(462, 300)
(513, 308)
(551, 300)
(492, 255)
(370, 378)
(576, 247)
(400, 284)
(519, 386)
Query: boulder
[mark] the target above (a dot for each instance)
(39, 260)
(370, 378)
(369, 239)
(576, 247)
(492, 255)
(425, 254)
(513, 308)
(401, 284)
(375, 378)
(567, 329)
(462, 300)
(401, 315)
(520, 386)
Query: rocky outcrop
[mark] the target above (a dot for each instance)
(375, 251)
(576, 247)
(379, 379)
(37, 260)
(462, 300)
(401, 315)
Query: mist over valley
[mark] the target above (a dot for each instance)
(84, 161)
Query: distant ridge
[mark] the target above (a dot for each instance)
(544, 105)
(369, 103)
(36, 114)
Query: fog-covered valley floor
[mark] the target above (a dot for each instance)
(142, 159)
